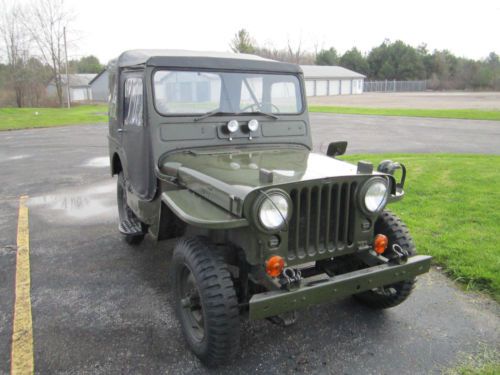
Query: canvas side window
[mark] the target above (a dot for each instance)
(112, 98)
(133, 102)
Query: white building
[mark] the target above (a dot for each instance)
(99, 86)
(322, 80)
(79, 88)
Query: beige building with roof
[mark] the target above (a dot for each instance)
(322, 80)
(79, 87)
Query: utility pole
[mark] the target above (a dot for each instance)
(68, 98)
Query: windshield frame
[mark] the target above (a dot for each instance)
(195, 115)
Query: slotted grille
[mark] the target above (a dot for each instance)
(322, 220)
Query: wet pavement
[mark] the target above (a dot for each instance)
(101, 306)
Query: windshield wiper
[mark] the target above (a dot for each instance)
(270, 115)
(216, 112)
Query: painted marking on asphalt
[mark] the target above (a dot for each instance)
(22, 333)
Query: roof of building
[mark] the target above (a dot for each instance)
(76, 80)
(97, 76)
(201, 59)
(328, 71)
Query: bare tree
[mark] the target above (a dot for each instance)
(16, 45)
(295, 54)
(45, 20)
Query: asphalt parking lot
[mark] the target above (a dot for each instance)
(101, 306)
(380, 134)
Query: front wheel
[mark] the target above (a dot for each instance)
(205, 300)
(394, 294)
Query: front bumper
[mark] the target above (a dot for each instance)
(322, 288)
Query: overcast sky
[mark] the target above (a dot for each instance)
(106, 28)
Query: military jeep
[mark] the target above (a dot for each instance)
(216, 149)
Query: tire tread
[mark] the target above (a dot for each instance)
(397, 232)
(218, 295)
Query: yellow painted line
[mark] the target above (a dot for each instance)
(22, 333)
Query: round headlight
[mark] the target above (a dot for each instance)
(273, 211)
(375, 195)
(232, 126)
(253, 125)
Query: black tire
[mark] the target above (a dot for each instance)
(394, 294)
(124, 211)
(205, 300)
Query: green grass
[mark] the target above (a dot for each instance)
(492, 368)
(452, 207)
(470, 114)
(22, 118)
(486, 362)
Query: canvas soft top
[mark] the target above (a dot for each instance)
(202, 60)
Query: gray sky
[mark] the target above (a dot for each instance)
(106, 28)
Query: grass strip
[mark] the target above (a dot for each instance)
(24, 118)
(469, 114)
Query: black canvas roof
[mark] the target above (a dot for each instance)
(203, 60)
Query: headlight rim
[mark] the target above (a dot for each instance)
(364, 190)
(258, 204)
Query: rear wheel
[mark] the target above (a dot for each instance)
(394, 294)
(205, 300)
(134, 231)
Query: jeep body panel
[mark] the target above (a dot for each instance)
(232, 179)
(228, 174)
(197, 211)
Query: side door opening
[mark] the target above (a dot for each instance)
(135, 140)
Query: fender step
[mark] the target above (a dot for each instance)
(131, 227)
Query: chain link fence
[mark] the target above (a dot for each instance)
(394, 86)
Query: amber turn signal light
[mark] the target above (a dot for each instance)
(275, 265)
(380, 243)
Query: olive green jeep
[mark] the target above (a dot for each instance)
(216, 149)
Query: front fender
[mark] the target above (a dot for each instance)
(199, 212)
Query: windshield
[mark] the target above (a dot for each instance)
(192, 92)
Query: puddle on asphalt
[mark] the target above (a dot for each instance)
(94, 204)
(18, 157)
(4, 157)
(100, 162)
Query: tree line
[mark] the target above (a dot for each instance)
(390, 60)
(32, 36)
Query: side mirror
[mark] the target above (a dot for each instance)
(336, 148)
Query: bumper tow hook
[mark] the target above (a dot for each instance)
(290, 279)
(399, 255)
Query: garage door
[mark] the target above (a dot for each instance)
(345, 87)
(334, 87)
(321, 88)
(357, 86)
(310, 88)
(78, 94)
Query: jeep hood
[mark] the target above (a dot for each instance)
(227, 176)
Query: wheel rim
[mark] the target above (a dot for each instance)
(191, 307)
